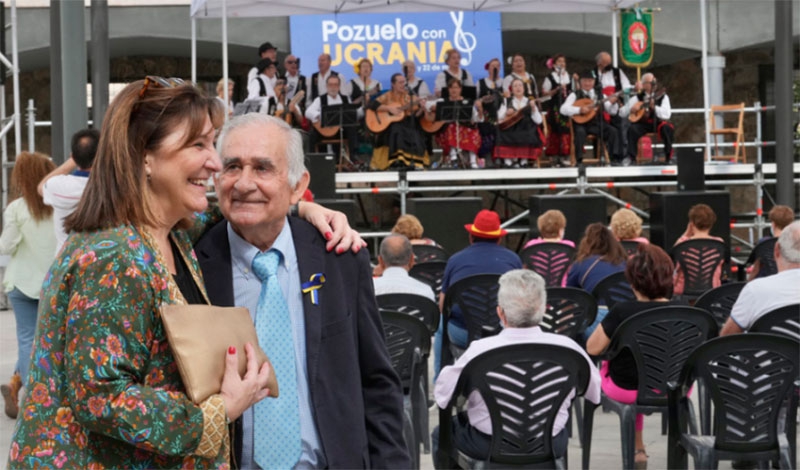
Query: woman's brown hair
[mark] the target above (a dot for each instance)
(29, 170)
(138, 121)
(598, 240)
(650, 271)
(551, 223)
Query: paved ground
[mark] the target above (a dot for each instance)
(605, 441)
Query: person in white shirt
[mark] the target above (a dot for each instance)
(520, 143)
(265, 51)
(761, 296)
(453, 71)
(221, 94)
(653, 109)
(331, 97)
(416, 85)
(518, 71)
(295, 81)
(521, 302)
(63, 187)
(611, 80)
(597, 125)
(395, 260)
(263, 85)
(557, 85)
(319, 79)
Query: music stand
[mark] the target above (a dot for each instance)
(342, 115)
(455, 111)
(248, 106)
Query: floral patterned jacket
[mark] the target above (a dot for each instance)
(104, 388)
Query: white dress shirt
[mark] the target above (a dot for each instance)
(477, 411)
(314, 111)
(395, 280)
(322, 85)
(518, 104)
(423, 88)
(526, 77)
(568, 108)
(291, 85)
(663, 111)
(254, 89)
(444, 75)
(607, 79)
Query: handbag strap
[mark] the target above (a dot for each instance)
(583, 278)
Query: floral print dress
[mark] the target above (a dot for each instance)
(104, 388)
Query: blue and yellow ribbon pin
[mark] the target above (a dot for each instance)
(313, 285)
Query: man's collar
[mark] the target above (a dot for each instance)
(82, 173)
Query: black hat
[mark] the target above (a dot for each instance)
(265, 47)
(588, 74)
(263, 64)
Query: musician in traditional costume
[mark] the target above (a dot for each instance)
(415, 85)
(490, 92)
(281, 107)
(319, 79)
(453, 71)
(462, 136)
(518, 71)
(651, 110)
(557, 85)
(331, 97)
(295, 81)
(597, 125)
(263, 84)
(519, 141)
(402, 144)
(610, 80)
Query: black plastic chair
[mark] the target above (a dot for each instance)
(764, 253)
(430, 273)
(612, 289)
(551, 260)
(507, 378)
(719, 301)
(408, 343)
(428, 253)
(630, 247)
(476, 298)
(698, 259)
(422, 308)
(569, 311)
(660, 340)
(749, 378)
(784, 321)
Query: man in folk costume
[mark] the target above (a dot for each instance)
(319, 80)
(656, 107)
(612, 80)
(596, 126)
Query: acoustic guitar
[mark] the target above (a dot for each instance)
(379, 121)
(642, 109)
(288, 115)
(584, 118)
(517, 115)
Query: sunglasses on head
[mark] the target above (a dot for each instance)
(152, 80)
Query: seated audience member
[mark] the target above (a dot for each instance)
(701, 219)
(649, 272)
(627, 226)
(551, 227)
(761, 296)
(395, 260)
(521, 304)
(779, 217)
(484, 255)
(599, 255)
(410, 226)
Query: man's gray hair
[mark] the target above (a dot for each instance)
(522, 297)
(294, 142)
(789, 243)
(396, 250)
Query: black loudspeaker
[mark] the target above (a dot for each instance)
(348, 206)
(669, 214)
(443, 218)
(579, 209)
(691, 169)
(322, 168)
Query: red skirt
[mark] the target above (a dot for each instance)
(518, 151)
(469, 139)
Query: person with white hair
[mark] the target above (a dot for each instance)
(649, 111)
(521, 305)
(763, 295)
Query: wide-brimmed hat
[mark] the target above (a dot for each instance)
(486, 225)
(265, 47)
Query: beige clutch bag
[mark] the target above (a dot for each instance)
(200, 335)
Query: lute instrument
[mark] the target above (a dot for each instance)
(642, 109)
(584, 118)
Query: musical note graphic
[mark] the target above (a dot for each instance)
(464, 42)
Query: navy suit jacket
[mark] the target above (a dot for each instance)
(356, 396)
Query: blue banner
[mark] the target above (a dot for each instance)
(390, 39)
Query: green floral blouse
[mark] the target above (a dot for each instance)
(103, 389)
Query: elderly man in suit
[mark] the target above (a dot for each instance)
(340, 402)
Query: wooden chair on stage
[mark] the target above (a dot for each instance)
(598, 144)
(736, 131)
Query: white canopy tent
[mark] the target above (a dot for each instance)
(262, 8)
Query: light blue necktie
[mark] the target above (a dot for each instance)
(276, 425)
